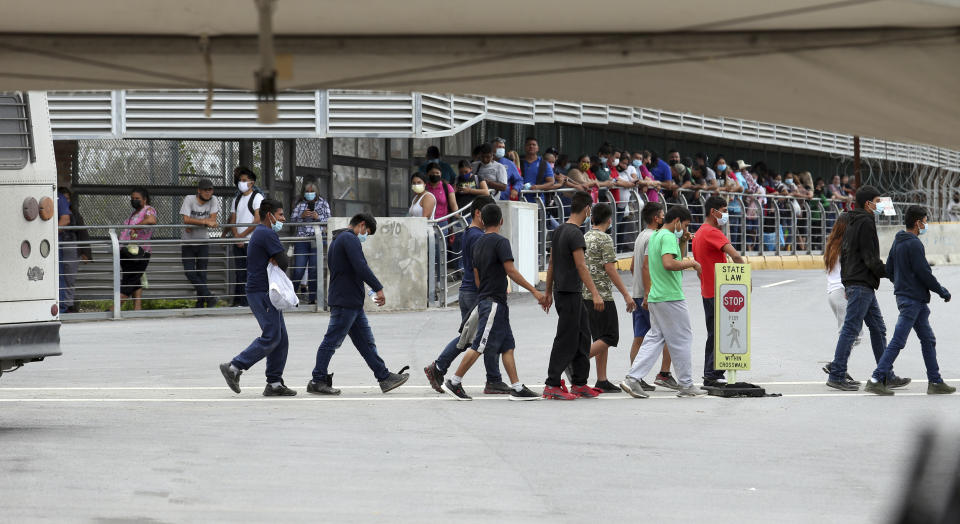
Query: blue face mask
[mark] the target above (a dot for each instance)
(679, 234)
(722, 167)
(277, 226)
(362, 238)
(878, 209)
(637, 164)
(923, 231)
(789, 181)
(310, 196)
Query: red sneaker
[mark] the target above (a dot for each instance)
(584, 391)
(563, 386)
(558, 393)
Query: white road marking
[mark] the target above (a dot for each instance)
(775, 284)
(372, 386)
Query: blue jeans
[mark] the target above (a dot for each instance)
(353, 322)
(862, 308)
(468, 300)
(304, 259)
(914, 315)
(272, 343)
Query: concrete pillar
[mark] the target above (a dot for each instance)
(397, 254)
(520, 227)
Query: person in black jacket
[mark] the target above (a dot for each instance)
(860, 271)
(348, 274)
(912, 283)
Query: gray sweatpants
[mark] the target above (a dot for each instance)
(670, 324)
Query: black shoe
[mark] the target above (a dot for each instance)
(497, 388)
(233, 379)
(646, 387)
(394, 380)
(523, 394)
(456, 390)
(896, 382)
(607, 387)
(280, 391)
(846, 377)
(324, 387)
(843, 386)
(878, 388)
(434, 376)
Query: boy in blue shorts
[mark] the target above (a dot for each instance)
(492, 264)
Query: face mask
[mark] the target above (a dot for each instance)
(136, 203)
(584, 166)
(789, 181)
(200, 198)
(310, 196)
(678, 233)
(500, 152)
(878, 209)
(362, 237)
(418, 188)
(721, 167)
(637, 164)
(566, 167)
(277, 225)
(673, 162)
(923, 231)
(243, 186)
(434, 178)
(724, 218)
(603, 160)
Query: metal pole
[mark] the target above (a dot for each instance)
(856, 159)
(115, 243)
(321, 285)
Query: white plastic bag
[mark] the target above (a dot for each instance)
(282, 294)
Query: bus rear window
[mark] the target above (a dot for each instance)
(14, 140)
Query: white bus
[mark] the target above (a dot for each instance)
(29, 273)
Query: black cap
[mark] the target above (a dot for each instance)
(205, 183)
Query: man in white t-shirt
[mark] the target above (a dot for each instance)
(200, 211)
(243, 210)
(652, 217)
(491, 171)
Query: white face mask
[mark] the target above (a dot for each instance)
(724, 218)
(418, 188)
(500, 152)
(243, 186)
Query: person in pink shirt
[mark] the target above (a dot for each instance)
(135, 248)
(442, 191)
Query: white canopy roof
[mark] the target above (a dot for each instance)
(881, 68)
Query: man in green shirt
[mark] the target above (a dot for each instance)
(669, 316)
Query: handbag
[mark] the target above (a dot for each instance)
(282, 294)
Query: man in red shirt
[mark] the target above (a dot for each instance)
(711, 247)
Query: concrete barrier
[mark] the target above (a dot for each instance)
(397, 254)
(942, 241)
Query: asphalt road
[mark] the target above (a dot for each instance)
(134, 424)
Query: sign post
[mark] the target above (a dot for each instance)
(732, 319)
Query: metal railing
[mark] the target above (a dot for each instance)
(91, 286)
(445, 253)
(760, 224)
